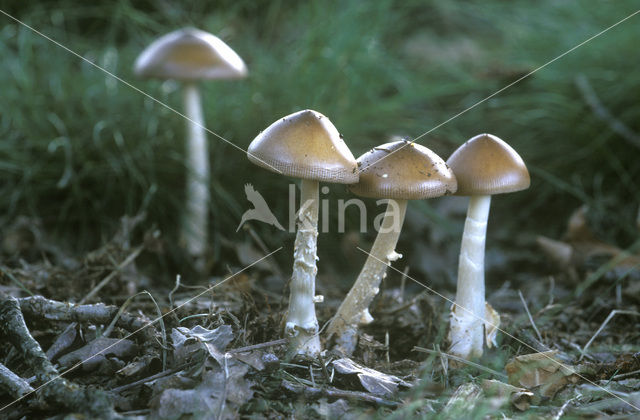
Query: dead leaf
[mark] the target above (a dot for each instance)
(63, 341)
(463, 401)
(505, 393)
(542, 371)
(491, 327)
(218, 396)
(561, 253)
(187, 341)
(375, 382)
(581, 249)
(91, 357)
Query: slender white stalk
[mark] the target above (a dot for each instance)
(354, 310)
(466, 331)
(302, 325)
(195, 226)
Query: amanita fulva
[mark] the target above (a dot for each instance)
(397, 171)
(484, 165)
(305, 145)
(190, 55)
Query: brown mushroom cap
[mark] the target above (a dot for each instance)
(305, 145)
(486, 165)
(189, 54)
(403, 170)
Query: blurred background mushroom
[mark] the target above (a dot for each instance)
(190, 55)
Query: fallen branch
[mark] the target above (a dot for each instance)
(97, 313)
(12, 384)
(259, 346)
(329, 392)
(54, 389)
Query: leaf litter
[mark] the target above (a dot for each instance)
(225, 358)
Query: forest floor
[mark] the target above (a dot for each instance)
(569, 344)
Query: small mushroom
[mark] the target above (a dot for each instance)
(484, 165)
(398, 171)
(305, 145)
(190, 55)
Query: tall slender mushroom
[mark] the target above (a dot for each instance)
(305, 145)
(398, 171)
(190, 55)
(484, 165)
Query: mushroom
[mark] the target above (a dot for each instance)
(305, 145)
(190, 55)
(398, 171)
(484, 165)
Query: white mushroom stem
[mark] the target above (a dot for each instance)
(302, 325)
(466, 332)
(195, 228)
(354, 310)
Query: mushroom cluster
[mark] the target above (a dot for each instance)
(307, 145)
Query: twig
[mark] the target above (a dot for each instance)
(403, 281)
(14, 385)
(6, 272)
(625, 375)
(58, 390)
(533, 324)
(98, 313)
(603, 113)
(259, 346)
(552, 286)
(330, 392)
(122, 388)
(461, 360)
(604, 324)
(175, 289)
(113, 274)
(560, 412)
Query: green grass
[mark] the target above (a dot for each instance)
(79, 149)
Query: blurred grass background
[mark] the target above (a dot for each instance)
(78, 150)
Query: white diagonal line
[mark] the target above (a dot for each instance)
(208, 289)
(121, 80)
(508, 86)
(486, 322)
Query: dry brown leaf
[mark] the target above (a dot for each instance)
(581, 247)
(96, 353)
(375, 382)
(542, 371)
(505, 393)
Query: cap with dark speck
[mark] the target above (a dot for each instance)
(486, 165)
(403, 170)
